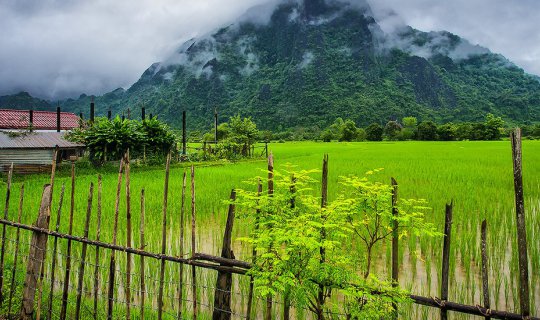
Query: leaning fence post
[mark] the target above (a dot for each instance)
(222, 295)
(2, 252)
(395, 241)
(36, 255)
(524, 297)
(446, 259)
(163, 237)
(485, 279)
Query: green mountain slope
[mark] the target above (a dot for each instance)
(315, 61)
(24, 101)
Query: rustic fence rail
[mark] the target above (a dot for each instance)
(129, 293)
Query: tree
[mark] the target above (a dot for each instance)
(427, 131)
(447, 132)
(409, 122)
(327, 135)
(349, 131)
(293, 228)
(392, 130)
(464, 131)
(494, 127)
(243, 131)
(374, 132)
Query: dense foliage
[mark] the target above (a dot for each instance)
(309, 252)
(109, 139)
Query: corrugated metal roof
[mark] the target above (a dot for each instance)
(43, 120)
(36, 140)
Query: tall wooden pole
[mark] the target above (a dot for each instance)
(163, 237)
(268, 313)
(65, 291)
(193, 271)
(446, 258)
(128, 237)
(184, 137)
(524, 295)
(2, 252)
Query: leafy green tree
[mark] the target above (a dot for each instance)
(464, 131)
(447, 132)
(409, 122)
(494, 127)
(293, 229)
(536, 131)
(360, 134)
(159, 138)
(392, 130)
(327, 135)
(427, 131)
(223, 131)
(374, 132)
(244, 132)
(349, 131)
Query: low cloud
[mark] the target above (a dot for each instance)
(56, 49)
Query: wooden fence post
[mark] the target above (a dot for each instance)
(446, 259)
(63, 311)
(83, 252)
(222, 295)
(163, 237)
(485, 279)
(141, 230)
(112, 263)
(182, 226)
(395, 241)
(16, 255)
(36, 256)
(268, 314)
(524, 296)
(128, 237)
(253, 256)
(322, 251)
(2, 252)
(193, 271)
(98, 235)
(55, 250)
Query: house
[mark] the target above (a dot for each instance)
(37, 120)
(34, 151)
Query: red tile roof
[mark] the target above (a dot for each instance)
(43, 120)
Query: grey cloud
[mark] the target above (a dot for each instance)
(58, 48)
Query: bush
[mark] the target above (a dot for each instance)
(374, 132)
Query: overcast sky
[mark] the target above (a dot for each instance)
(59, 48)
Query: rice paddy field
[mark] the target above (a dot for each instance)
(477, 176)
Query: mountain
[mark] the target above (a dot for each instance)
(24, 101)
(308, 62)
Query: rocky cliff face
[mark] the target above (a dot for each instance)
(313, 61)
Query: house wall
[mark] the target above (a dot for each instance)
(37, 157)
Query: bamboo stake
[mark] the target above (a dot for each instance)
(395, 242)
(42, 275)
(485, 279)
(446, 258)
(524, 295)
(253, 255)
(83, 252)
(17, 237)
(128, 240)
(54, 253)
(98, 235)
(287, 295)
(182, 225)
(268, 314)
(141, 231)
(112, 264)
(2, 252)
(193, 271)
(65, 291)
(322, 251)
(163, 237)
